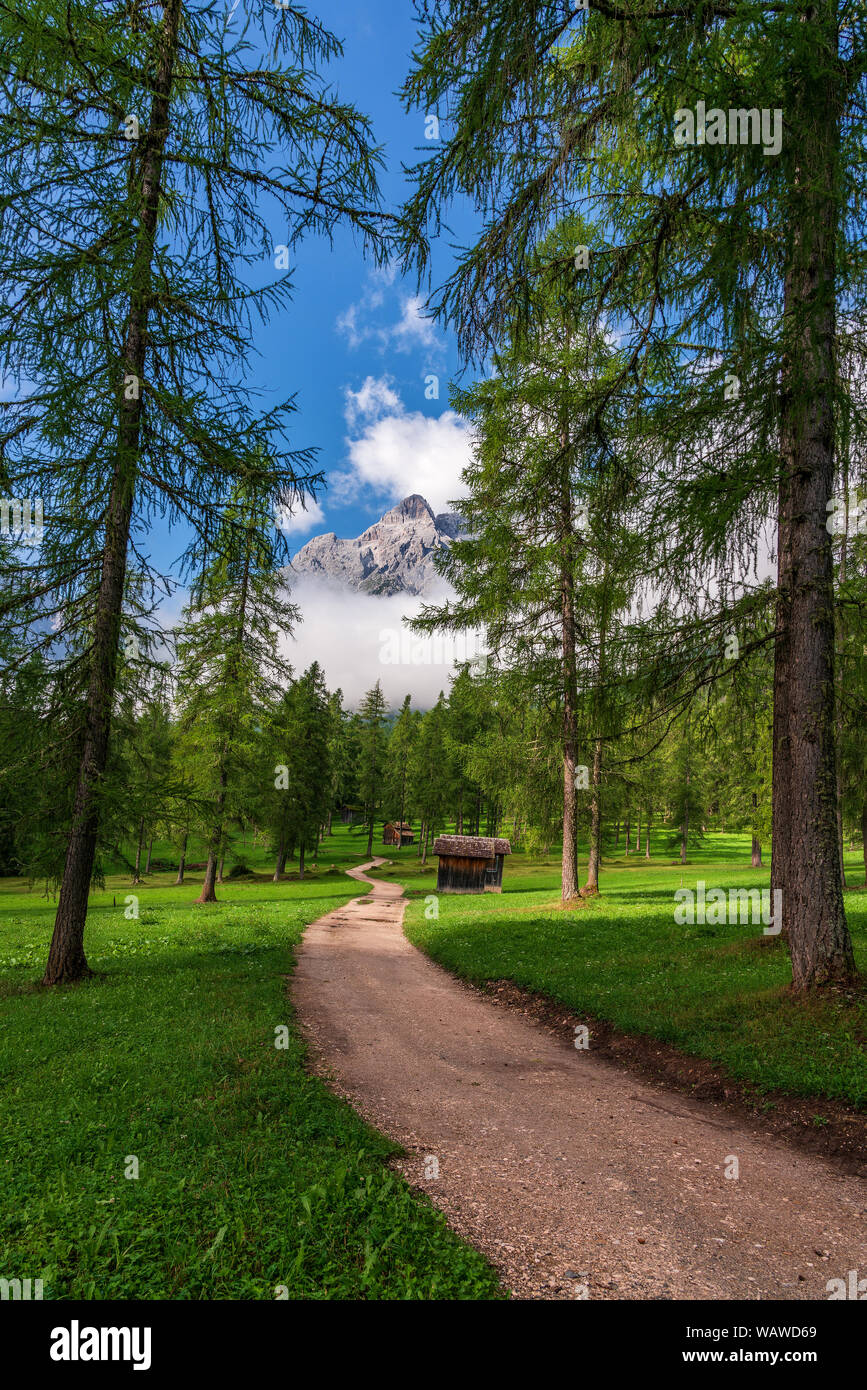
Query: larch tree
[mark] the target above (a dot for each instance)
(547, 451)
(717, 148)
(146, 154)
(230, 669)
(299, 736)
(372, 749)
(401, 740)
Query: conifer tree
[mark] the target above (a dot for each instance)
(732, 259)
(146, 153)
(372, 746)
(230, 669)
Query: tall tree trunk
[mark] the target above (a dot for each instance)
(569, 858)
(150, 852)
(838, 648)
(66, 958)
(617, 834)
(183, 862)
(207, 894)
(781, 768)
(626, 834)
(595, 858)
(328, 830)
(638, 831)
(756, 858)
(280, 865)
(426, 837)
(402, 799)
(136, 878)
(808, 871)
(647, 830)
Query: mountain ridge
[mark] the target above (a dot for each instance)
(394, 555)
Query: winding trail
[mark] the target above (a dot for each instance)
(568, 1173)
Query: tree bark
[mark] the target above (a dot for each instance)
(808, 869)
(838, 709)
(781, 766)
(150, 852)
(569, 858)
(136, 878)
(66, 958)
(280, 866)
(183, 862)
(207, 894)
(595, 857)
(757, 853)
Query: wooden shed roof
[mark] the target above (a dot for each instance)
(471, 846)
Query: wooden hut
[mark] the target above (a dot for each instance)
(397, 833)
(470, 863)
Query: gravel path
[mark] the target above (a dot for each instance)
(573, 1177)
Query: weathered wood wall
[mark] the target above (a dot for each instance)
(457, 874)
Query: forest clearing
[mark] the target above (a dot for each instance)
(433, 671)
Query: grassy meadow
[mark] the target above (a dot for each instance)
(254, 1182)
(719, 992)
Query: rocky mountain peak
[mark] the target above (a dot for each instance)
(412, 508)
(394, 555)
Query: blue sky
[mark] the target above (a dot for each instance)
(350, 329)
(356, 352)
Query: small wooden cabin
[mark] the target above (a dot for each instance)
(397, 833)
(470, 863)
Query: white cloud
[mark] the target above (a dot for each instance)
(403, 452)
(376, 397)
(297, 519)
(411, 331)
(356, 639)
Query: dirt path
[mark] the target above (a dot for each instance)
(564, 1170)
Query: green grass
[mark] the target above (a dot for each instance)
(717, 992)
(252, 1175)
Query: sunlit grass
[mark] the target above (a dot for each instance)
(715, 991)
(252, 1176)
